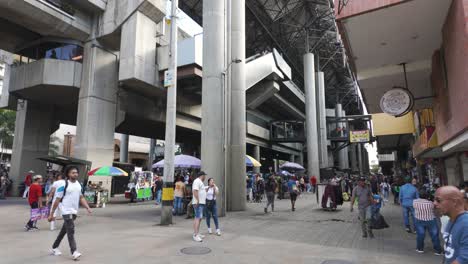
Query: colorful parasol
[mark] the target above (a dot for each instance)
(107, 171)
(292, 166)
(251, 162)
(181, 161)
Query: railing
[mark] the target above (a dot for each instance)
(60, 6)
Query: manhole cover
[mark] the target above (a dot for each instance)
(195, 250)
(336, 261)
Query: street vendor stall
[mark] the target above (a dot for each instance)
(98, 190)
(139, 186)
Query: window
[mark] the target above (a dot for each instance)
(50, 50)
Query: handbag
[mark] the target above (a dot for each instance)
(40, 213)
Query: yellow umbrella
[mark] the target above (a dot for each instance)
(251, 162)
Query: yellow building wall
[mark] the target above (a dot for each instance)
(383, 124)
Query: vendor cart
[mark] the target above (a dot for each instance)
(139, 186)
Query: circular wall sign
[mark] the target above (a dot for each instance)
(397, 102)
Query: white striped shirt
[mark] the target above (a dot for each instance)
(423, 210)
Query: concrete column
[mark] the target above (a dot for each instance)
(124, 148)
(360, 158)
(256, 155)
(313, 164)
(292, 158)
(322, 120)
(212, 141)
(301, 158)
(33, 126)
(342, 154)
(151, 154)
(237, 185)
(97, 107)
(353, 157)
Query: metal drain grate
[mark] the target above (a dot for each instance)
(336, 261)
(195, 250)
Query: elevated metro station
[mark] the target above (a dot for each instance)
(266, 78)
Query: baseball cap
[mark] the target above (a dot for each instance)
(37, 177)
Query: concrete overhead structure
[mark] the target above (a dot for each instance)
(313, 164)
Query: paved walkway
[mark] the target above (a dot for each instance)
(123, 233)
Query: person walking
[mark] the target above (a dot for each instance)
(364, 196)
(385, 190)
(68, 197)
(211, 208)
(425, 220)
(408, 193)
(293, 192)
(158, 185)
(179, 194)
(270, 188)
(27, 183)
(199, 201)
(249, 187)
(4, 183)
(313, 183)
(449, 201)
(52, 196)
(34, 199)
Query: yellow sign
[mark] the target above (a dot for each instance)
(168, 194)
(359, 136)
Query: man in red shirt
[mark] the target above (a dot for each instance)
(34, 199)
(313, 183)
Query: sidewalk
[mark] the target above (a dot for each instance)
(125, 233)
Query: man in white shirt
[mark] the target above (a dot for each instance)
(52, 196)
(68, 197)
(198, 201)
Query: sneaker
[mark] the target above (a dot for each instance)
(201, 236)
(197, 238)
(419, 251)
(438, 253)
(55, 252)
(408, 230)
(27, 228)
(209, 231)
(76, 255)
(218, 232)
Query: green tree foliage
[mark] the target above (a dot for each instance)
(7, 128)
(54, 145)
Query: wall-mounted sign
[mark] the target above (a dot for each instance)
(359, 136)
(397, 102)
(168, 78)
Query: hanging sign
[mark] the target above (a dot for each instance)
(397, 102)
(168, 78)
(359, 136)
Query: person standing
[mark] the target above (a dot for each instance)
(293, 192)
(425, 220)
(27, 183)
(199, 201)
(211, 208)
(68, 197)
(385, 189)
(158, 185)
(4, 183)
(270, 188)
(179, 194)
(249, 187)
(52, 196)
(449, 201)
(364, 196)
(313, 183)
(408, 193)
(34, 199)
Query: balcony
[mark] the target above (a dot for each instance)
(47, 81)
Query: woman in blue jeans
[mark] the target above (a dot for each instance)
(211, 208)
(425, 220)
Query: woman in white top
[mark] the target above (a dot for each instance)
(211, 208)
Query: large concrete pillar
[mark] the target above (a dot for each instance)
(256, 155)
(212, 141)
(124, 148)
(360, 158)
(33, 126)
(301, 158)
(237, 184)
(313, 164)
(292, 158)
(353, 157)
(342, 154)
(97, 107)
(322, 120)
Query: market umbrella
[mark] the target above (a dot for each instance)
(251, 162)
(107, 171)
(181, 161)
(286, 173)
(292, 166)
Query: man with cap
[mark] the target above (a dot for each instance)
(364, 196)
(198, 201)
(27, 183)
(34, 199)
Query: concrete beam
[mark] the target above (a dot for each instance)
(260, 93)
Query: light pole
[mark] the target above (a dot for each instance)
(168, 190)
